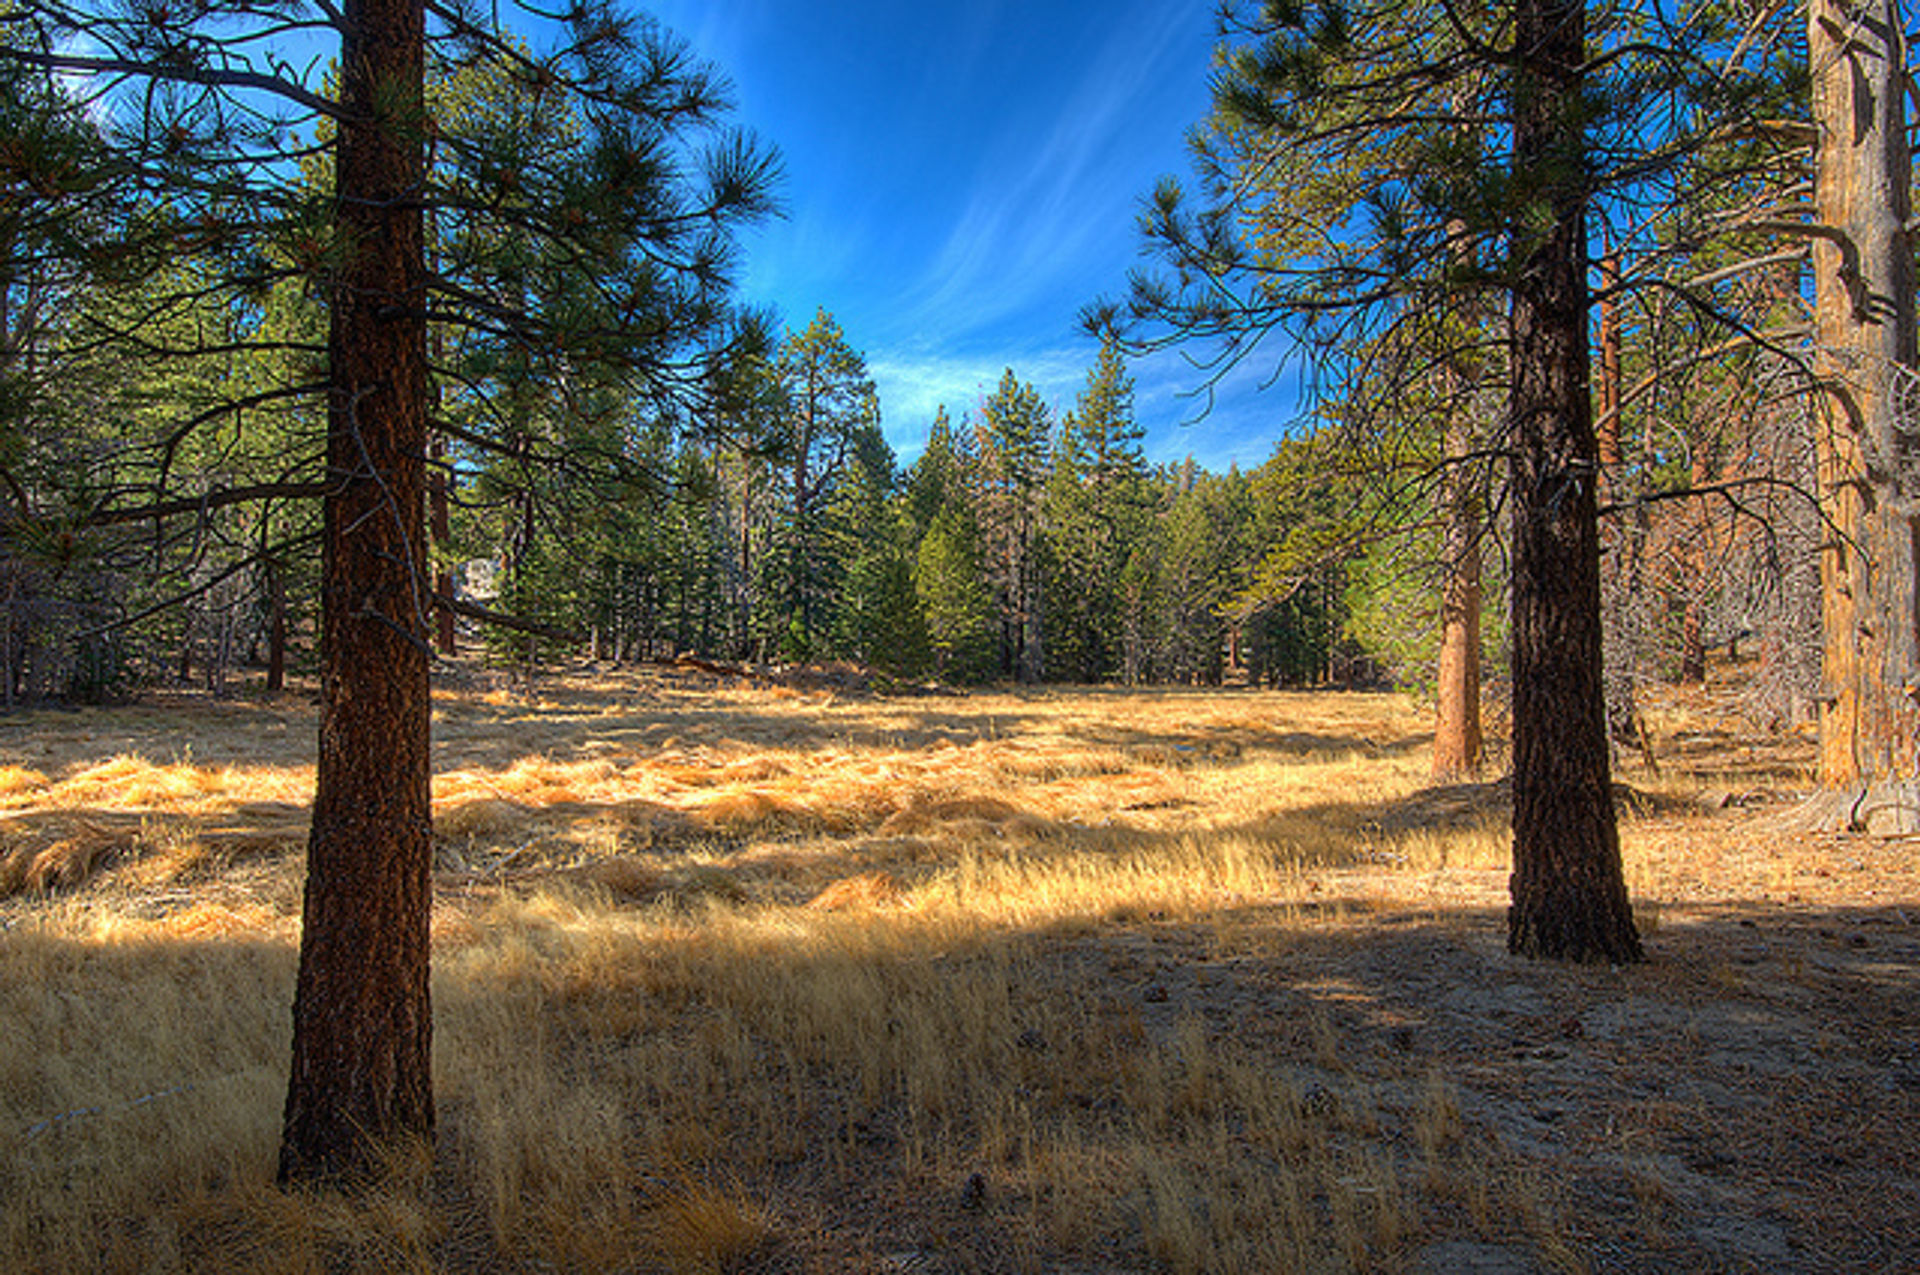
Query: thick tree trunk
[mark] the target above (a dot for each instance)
(1864, 290)
(1569, 894)
(361, 1083)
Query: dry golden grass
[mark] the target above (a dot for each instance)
(733, 980)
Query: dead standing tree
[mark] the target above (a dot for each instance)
(1867, 435)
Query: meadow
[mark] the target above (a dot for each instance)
(736, 977)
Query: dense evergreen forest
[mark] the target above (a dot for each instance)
(770, 521)
(160, 336)
(161, 340)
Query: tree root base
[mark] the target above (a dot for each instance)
(1890, 808)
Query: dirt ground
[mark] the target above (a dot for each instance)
(1746, 1100)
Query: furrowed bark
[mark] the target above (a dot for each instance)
(361, 1082)
(1569, 897)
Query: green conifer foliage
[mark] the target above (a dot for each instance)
(1013, 433)
(583, 241)
(831, 411)
(1096, 507)
(953, 596)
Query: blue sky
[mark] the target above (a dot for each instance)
(962, 178)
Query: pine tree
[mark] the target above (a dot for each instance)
(954, 598)
(877, 617)
(1569, 892)
(643, 208)
(940, 476)
(1013, 432)
(831, 407)
(1095, 506)
(1389, 122)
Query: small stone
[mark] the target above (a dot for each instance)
(974, 1194)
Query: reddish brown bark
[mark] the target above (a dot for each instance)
(1457, 739)
(1569, 897)
(361, 1075)
(1864, 291)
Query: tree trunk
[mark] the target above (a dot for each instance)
(1864, 297)
(746, 557)
(361, 1081)
(189, 622)
(1698, 566)
(1569, 893)
(276, 627)
(1456, 731)
(220, 654)
(9, 643)
(446, 635)
(1456, 734)
(1623, 540)
(1032, 651)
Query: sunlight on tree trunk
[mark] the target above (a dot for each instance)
(1456, 736)
(361, 1080)
(1864, 289)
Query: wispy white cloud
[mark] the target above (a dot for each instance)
(1232, 419)
(962, 180)
(914, 385)
(721, 32)
(801, 256)
(1235, 420)
(1039, 203)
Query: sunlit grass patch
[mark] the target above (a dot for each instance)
(19, 783)
(493, 818)
(137, 783)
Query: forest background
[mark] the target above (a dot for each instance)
(1029, 540)
(1025, 542)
